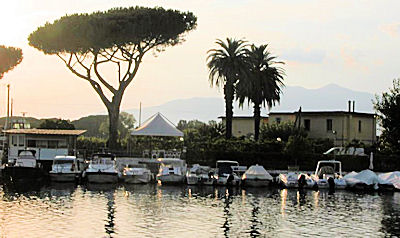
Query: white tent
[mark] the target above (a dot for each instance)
(157, 125)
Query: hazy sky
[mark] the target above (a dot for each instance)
(351, 43)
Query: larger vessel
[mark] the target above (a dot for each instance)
(25, 167)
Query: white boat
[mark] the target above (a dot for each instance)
(328, 174)
(226, 175)
(256, 176)
(364, 180)
(65, 169)
(25, 167)
(291, 180)
(136, 174)
(172, 170)
(102, 169)
(392, 180)
(200, 175)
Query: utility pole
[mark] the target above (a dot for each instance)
(8, 107)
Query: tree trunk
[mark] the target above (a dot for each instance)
(257, 118)
(229, 94)
(113, 116)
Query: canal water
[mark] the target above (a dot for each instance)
(66, 210)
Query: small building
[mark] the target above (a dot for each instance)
(243, 125)
(340, 126)
(47, 143)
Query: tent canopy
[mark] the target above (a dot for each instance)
(157, 125)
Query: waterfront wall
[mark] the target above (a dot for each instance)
(281, 161)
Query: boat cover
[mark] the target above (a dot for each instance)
(257, 171)
(366, 177)
(392, 178)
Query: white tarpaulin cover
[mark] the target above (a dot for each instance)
(392, 178)
(157, 125)
(366, 177)
(257, 171)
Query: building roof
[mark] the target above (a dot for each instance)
(157, 125)
(243, 117)
(45, 132)
(324, 113)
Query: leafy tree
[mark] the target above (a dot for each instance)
(56, 124)
(118, 37)
(282, 131)
(262, 84)
(387, 107)
(9, 58)
(227, 65)
(92, 125)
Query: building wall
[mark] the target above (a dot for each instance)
(244, 126)
(345, 126)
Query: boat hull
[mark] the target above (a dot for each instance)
(136, 179)
(64, 177)
(23, 173)
(102, 177)
(256, 182)
(171, 179)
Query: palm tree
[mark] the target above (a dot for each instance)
(263, 82)
(227, 65)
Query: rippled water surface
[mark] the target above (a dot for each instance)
(65, 210)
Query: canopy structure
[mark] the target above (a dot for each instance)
(157, 125)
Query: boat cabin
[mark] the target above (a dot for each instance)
(328, 167)
(47, 143)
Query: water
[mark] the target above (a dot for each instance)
(66, 210)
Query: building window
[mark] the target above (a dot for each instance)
(14, 140)
(278, 120)
(31, 143)
(359, 126)
(307, 124)
(52, 144)
(329, 124)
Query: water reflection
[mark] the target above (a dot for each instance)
(151, 210)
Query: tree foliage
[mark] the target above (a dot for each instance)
(226, 65)
(387, 107)
(56, 124)
(118, 37)
(9, 58)
(282, 131)
(262, 82)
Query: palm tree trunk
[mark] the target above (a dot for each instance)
(229, 96)
(257, 118)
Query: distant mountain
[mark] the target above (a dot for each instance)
(330, 97)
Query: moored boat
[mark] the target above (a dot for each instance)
(136, 174)
(172, 171)
(25, 167)
(328, 174)
(256, 176)
(102, 169)
(200, 175)
(364, 180)
(225, 174)
(65, 169)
